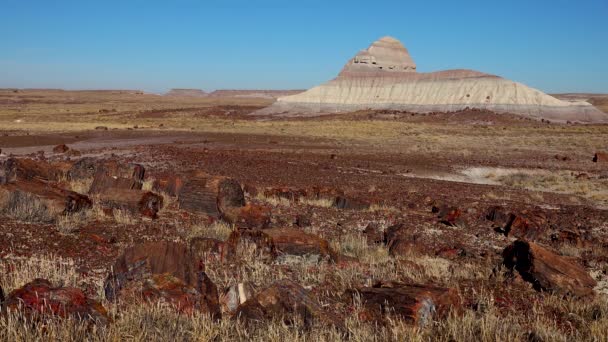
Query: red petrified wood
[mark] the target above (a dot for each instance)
(288, 300)
(548, 271)
(139, 202)
(418, 304)
(167, 270)
(40, 299)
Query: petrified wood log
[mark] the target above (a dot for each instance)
(250, 216)
(211, 195)
(140, 202)
(163, 269)
(171, 185)
(282, 241)
(23, 169)
(548, 271)
(55, 201)
(39, 298)
(114, 175)
(418, 304)
(287, 300)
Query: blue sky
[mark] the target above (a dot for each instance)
(556, 46)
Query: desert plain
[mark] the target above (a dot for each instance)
(367, 225)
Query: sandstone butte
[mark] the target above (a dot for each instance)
(384, 77)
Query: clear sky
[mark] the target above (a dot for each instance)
(553, 45)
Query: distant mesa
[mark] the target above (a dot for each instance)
(384, 76)
(250, 93)
(186, 92)
(267, 94)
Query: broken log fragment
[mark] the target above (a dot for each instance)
(418, 304)
(547, 271)
(275, 242)
(23, 169)
(139, 202)
(289, 301)
(600, 157)
(113, 175)
(211, 195)
(38, 201)
(165, 271)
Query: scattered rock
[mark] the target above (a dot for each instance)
(294, 241)
(450, 216)
(600, 157)
(289, 301)
(163, 270)
(101, 128)
(303, 220)
(63, 148)
(547, 271)
(39, 299)
(418, 304)
(373, 233)
(528, 225)
(349, 203)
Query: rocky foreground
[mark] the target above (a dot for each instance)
(312, 257)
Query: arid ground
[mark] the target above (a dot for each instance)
(387, 225)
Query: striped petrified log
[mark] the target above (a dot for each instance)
(134, 201)
(547, 271)
(114, 175)
(211, 195)
(24, 169)
(418, 304)
(40, 200)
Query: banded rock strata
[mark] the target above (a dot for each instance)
(384, 77)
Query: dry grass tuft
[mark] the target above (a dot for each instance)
(27, 208)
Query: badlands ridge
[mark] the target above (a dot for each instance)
(384, 77)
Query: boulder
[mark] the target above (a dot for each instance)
(163, 270)
(418, 304)
(137, 202)
(284, 299)
(39, 299)
(23, 197)
(600, 157)
(547, 271)
(210, 195)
